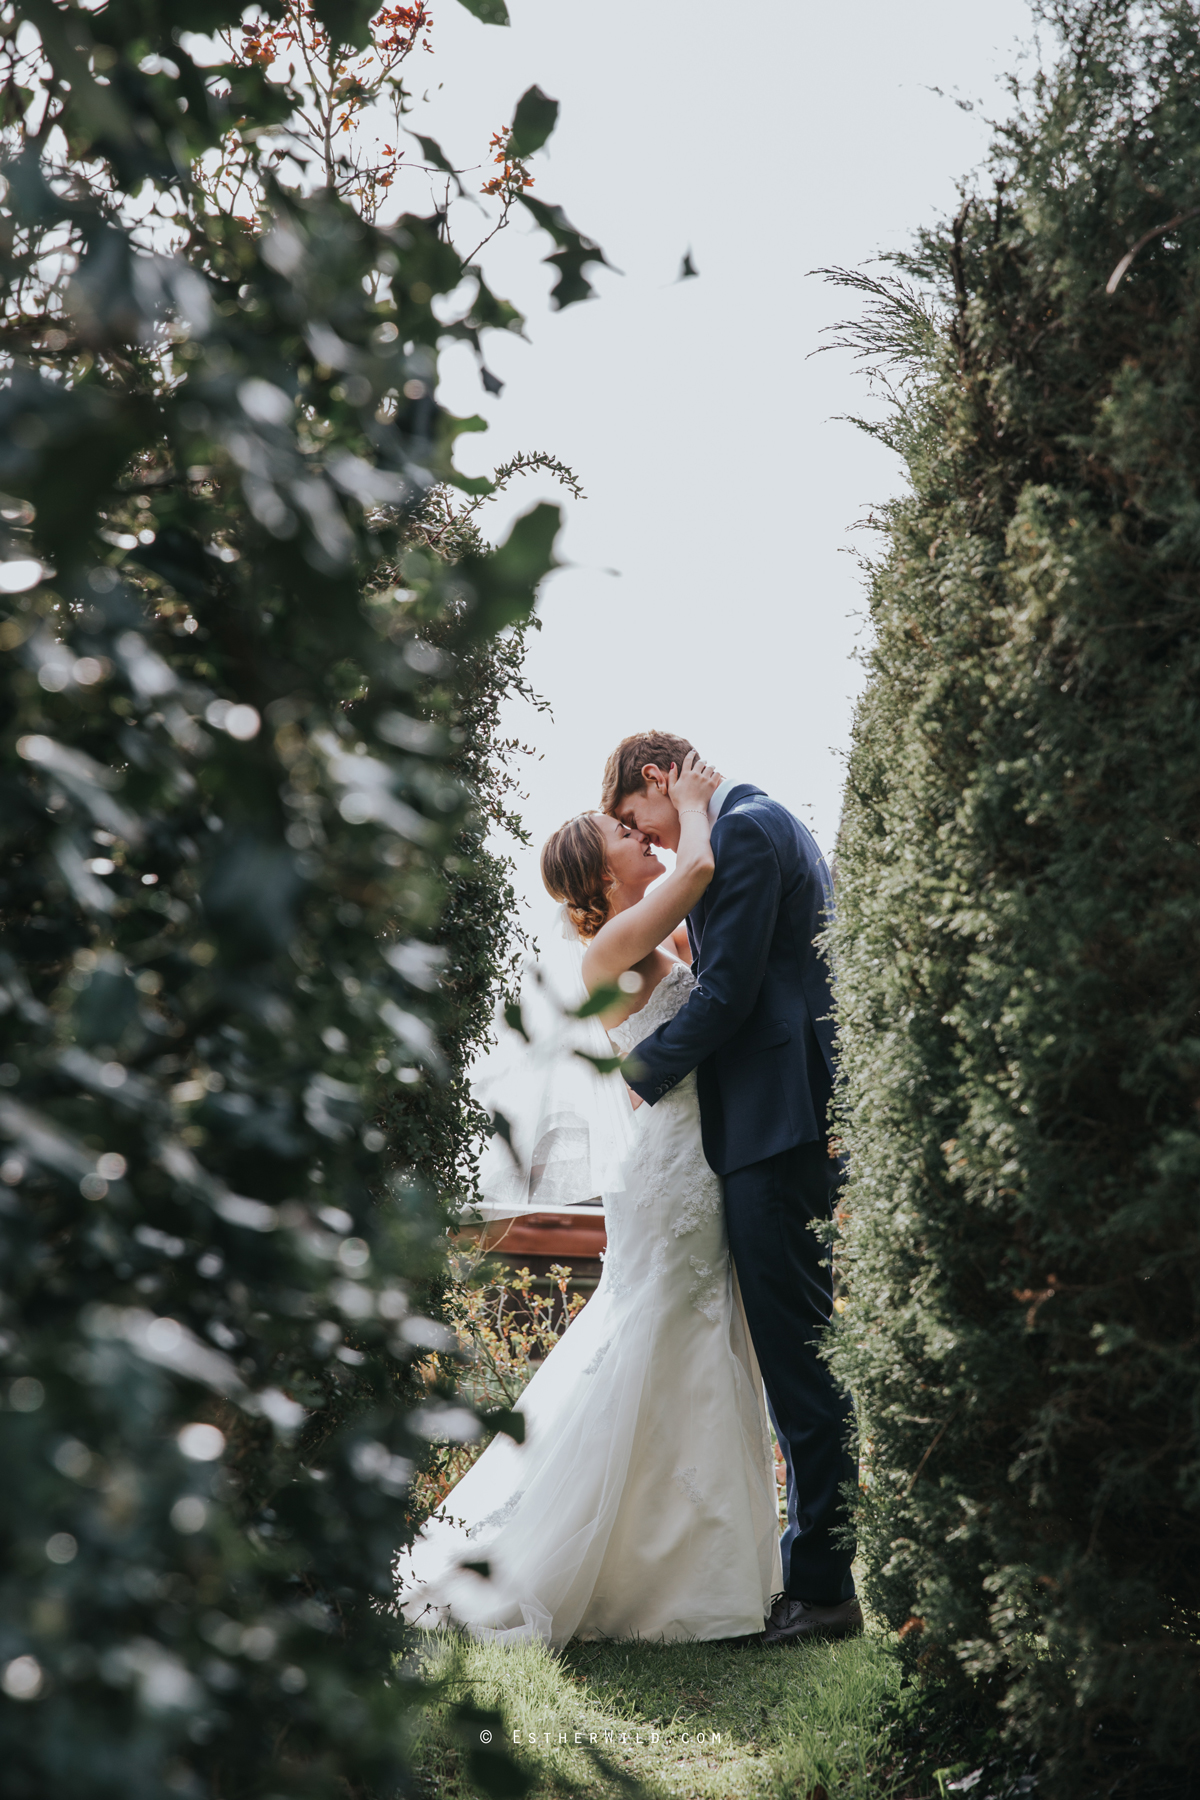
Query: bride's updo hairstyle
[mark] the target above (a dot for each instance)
(575, 871)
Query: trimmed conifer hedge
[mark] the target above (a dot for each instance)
(1019, 930)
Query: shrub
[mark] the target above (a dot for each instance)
(1019, 898)
(241, 833)
(504, 1328)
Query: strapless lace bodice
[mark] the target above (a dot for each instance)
(666, 1000)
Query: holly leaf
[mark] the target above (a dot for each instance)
(490, 313)
(572, 257)
(533, 121)
(502, 1128)
(488, 12)
(603, 1065)
(433, 153)
(501, 588)
(502, 1418)
(598, 1002)
(347, 21)
(514, 1021)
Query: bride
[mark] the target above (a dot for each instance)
(642, 1502)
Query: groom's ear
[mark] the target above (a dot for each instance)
(653, 776)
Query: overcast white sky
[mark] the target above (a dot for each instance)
(772, 137)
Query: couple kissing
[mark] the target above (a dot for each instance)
(643, 1500)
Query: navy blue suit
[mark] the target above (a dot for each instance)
(758, 1031)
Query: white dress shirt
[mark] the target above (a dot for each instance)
(718, 800)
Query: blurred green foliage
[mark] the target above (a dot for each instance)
(252, 661)
(1019, 917)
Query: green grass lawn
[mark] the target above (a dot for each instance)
(689, 1721)
(684, 1721)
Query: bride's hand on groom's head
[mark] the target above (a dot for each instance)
(690, 788)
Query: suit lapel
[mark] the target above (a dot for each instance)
(696, 918)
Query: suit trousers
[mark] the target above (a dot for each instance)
(787, 1287)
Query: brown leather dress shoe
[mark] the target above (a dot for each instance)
(794, 1621)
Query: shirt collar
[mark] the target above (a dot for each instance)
(718, 800)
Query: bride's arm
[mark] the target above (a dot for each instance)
(633, 934)
(679, 944)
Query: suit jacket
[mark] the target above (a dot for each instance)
(757, 1028)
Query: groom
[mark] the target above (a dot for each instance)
(758, 1032)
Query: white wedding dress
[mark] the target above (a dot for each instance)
(642, 1502)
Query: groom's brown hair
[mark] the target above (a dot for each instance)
(623, 770)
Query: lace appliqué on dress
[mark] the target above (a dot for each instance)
(685, 1480)
(501, 1516)
(591, 1367)
(662, 1005)
(615, 1285)
(707, 1293)
(695, 1183)
(700, 1191)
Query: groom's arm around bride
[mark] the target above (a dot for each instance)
(757, 1030)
